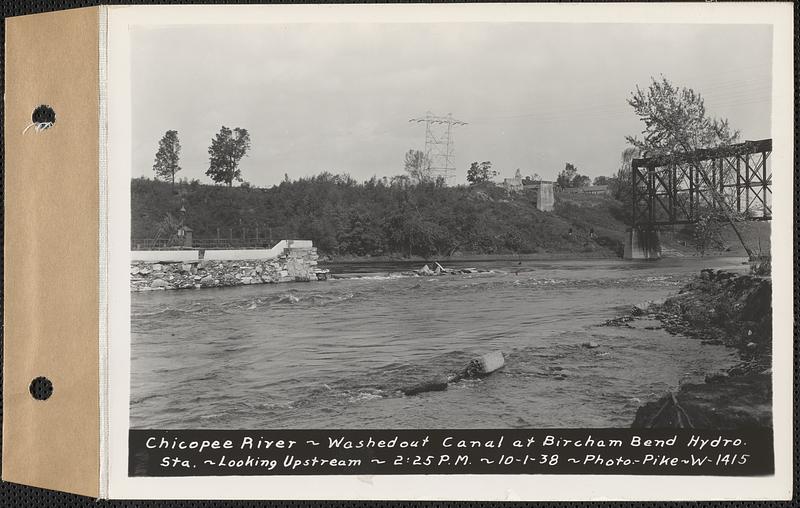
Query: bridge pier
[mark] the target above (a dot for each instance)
(544, 197)
(642, 243)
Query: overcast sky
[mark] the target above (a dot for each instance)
(338, 97)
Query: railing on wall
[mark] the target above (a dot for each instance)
(205, 243)
(187, 255)
(247, 239)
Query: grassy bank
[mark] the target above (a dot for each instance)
(347, 219)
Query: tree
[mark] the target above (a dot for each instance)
(362, 234)
(581, 181)
(401, 181)
(225, 152)
(480, 172)
(167, 157)
(564, 179)
(529, 180)
(418, 166)
(707, 231)
(621, 184)
(570, 177)
(675, 121)
(167, 230)
(601, 180)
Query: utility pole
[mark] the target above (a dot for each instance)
(439, 145)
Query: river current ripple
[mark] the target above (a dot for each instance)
(334, 354)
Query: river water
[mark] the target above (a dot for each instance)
(334, 354)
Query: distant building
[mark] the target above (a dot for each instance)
(541, 192)
(596, 189)
(514, 184)
(589, 189)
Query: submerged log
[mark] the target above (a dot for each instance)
(434, 385)
(477, 367)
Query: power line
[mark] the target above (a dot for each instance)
(730, 98)
(754, 83)
(440, 149)
(725, 92)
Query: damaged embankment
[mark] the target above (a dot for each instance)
(292, 265)
(719, 308)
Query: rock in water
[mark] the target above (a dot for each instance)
(425, 270)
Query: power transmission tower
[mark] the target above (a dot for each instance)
(439, 146)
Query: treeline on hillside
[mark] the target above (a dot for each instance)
(346, 217)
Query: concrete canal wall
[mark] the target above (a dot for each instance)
(288, 261)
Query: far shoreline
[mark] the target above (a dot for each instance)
(540, 256)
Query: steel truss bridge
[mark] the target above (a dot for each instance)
(678, 188)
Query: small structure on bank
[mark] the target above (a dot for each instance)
(185, 235)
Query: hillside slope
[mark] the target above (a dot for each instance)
(347, 218)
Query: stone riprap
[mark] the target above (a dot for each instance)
(718, 307)
(295, 265)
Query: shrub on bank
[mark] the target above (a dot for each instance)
(344, 217)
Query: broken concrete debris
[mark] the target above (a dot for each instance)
(478, 367)
(296, 265)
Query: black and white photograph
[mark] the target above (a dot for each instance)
(467, 225)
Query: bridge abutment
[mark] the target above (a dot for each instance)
(545, 199)
(642, 243)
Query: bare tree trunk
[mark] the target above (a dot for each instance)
(725, 210)
(739, 235)
(719, 199)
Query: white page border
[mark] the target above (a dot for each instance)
(451, 487)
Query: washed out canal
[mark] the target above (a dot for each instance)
(334, 354)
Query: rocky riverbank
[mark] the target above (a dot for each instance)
(717, 307)
(288, 267)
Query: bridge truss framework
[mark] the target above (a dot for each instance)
(677, 188)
